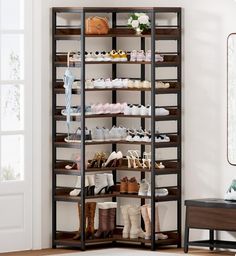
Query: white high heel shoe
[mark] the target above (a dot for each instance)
(146, 160)
(111, 159)
(133, 159)
(77, 190)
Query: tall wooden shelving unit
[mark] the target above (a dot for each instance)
(63, 238)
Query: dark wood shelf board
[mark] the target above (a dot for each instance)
(61, 143)
(63, 196)
(174, 88)
(67, 172)
(171, 167)
(116, 9)
(66, 239)
(75, 33)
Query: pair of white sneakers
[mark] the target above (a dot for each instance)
(102, 83)
(104, 134)
(144, 56)
(131, 109)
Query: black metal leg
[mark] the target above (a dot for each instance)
(211, 236)
(186, 239)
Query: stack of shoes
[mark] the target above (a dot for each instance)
(140, 110)
(95, 184)
(144, 56)
(129, 186)
(116, 108)
(107, 108)
(146, 162)
(113, 55)
(107, 217)
(76, 111)
(114, 160)
(132, 109)
(90, 208)
(162, 85)
(162, 138)
(138, 84)
(133, 159)
(159, 111)
(114, 134)
(98, 160)
(138, 135)
(108, 83)
(76, 137)
(131, 217)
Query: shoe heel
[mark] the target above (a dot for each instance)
(86, 191)
(119, 162)
(111, 189)
(105, 190)
(114, 163)
(129, 161)
(91, 190)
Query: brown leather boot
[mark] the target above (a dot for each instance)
(78, 235)
(111, 219)
(124, 185)
(103, 225)
(133, 186)
(90, 223)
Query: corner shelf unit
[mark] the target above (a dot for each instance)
(172, 166)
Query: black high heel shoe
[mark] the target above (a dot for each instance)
(91, 191)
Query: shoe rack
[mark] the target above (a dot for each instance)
(172, 166)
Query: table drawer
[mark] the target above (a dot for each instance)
(211, 218)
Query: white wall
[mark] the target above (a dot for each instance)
(206, 25)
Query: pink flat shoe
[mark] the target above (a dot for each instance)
(116, 108)
(99, 109)
(107, 108)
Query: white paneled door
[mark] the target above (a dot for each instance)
(15, 126)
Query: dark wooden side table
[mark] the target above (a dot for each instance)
(211, 214)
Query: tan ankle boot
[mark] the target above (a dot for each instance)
(133, 186)
(147, 221)
(135, 219)
(126, 220)
(124, 185)
(160, 236)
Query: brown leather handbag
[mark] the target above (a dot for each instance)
(96, 25)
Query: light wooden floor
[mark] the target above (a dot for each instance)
(61, 251)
